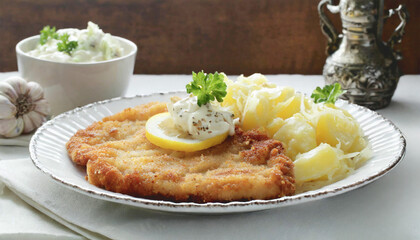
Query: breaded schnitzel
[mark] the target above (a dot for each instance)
(119, 158)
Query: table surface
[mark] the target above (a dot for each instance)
(388, 208)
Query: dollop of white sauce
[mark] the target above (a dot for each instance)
(93, 46)
(201, 122)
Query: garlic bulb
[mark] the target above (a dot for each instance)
(23, 107)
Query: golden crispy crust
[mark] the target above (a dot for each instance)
(119, 158)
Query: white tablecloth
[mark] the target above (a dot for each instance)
(386, 209)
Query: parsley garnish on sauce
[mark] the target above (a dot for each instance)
(207, 87)
(47, 33)
(64, 46)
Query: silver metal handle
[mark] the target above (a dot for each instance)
(327, 27)
(398, 33)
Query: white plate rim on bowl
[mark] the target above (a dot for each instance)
(48, 153)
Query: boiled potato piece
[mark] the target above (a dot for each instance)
(359, 144)
(274, 126)
(239, 91)
(230, 100)
(256, 81)
(292, 105)
(319, 163)
(334, 127)
(259, 108)
(257, 111)
(289, 108)
(297, 134)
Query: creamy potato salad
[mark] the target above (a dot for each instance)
(74, 45)
(325, 142)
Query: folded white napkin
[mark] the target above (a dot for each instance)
(22, 140)
(19, 220)
(97, 219)
(1, 187)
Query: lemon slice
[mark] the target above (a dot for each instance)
(161, 131)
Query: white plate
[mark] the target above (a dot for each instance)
(48, 153)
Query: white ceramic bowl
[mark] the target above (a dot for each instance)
(70, 85)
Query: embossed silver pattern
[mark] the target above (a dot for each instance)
(358, 59)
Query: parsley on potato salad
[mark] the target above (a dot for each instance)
(74, 45)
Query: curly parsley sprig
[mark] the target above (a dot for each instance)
(328, 94)
(64, 46)
(207, 87)
(46, 33)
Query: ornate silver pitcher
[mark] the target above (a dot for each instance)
(358, 59)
